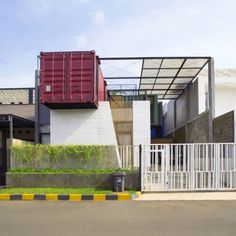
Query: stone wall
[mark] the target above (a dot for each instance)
(224, 128)
(180, 135)
(197, 129)
(186, 108)
(38, 180)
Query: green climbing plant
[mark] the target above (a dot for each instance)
(35, 154)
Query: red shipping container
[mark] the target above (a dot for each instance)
(102, 86)
(71, 80)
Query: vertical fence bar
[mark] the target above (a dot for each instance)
(140, 168)
(171, 166)
(217, 152)
(192, 167)
(167, 165)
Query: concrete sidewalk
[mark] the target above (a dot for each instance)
(202, 196)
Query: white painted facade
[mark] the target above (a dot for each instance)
(141, 122)
(83, 126)
(95, 126)
(225, 91)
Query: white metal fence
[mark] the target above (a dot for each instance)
(129, 156)
(188, 167)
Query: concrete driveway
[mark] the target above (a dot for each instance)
(118, 218)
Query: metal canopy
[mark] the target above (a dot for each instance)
(18, 122)
(166, 77)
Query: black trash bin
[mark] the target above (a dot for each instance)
(118, 182)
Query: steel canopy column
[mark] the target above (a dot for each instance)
(211, 98)
(155, 110)
(36, 92)
(175, 122)
(186, 101)
(11, 127)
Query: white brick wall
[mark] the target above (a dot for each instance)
(83, 126)
(141, 122)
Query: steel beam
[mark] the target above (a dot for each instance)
(146, 77)
(141, 58)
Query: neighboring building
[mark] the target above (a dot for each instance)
(17, 109)
(18, 101)
(225, 91)
(16, 120)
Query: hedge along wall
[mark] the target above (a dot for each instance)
(10, 142)
(41, 156)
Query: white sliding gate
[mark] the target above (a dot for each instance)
(188, 167)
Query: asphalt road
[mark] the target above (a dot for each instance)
(118, 218)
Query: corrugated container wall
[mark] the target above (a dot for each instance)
(71, 80)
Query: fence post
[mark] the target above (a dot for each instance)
(140, 167)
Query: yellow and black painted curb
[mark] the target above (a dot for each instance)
(69, 197)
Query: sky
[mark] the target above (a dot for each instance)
(113, 28)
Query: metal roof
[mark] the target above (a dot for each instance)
(18, 122)
(166, 77)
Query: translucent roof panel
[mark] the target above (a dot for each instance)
(166, 77)
(161, 92)
(167, 72)
(178, 86)
(171, 96)
(183, 80)
(151, 63)
(172, 63)
(195, 63)
(121, 68)
(163, 81)
(146, 86)
(148, 81)
(176, 92)
(161, 86)
(149, 72)
(121, 86)
(124, 93)
(188, 72)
